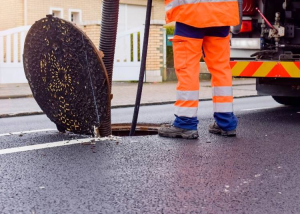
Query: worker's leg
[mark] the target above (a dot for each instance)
(187, 48)
(216, 48)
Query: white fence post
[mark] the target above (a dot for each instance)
(1, 50)
(22, 40)
(8, 49)
(127, 49)
(16, 48)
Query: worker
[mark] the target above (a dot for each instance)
(202, 30)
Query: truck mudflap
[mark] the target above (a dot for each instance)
(273, 69)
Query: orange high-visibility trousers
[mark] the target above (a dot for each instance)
(188, 48)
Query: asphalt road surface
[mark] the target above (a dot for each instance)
(43, 171)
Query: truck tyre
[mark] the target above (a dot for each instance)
(290, 101)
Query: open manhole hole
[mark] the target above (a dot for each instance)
(141, 129)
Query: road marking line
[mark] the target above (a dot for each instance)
(255, 109)
(44, 146)
(26, 132)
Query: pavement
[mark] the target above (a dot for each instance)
(256, 172)
(17, 100)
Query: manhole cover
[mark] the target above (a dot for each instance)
(66, 75)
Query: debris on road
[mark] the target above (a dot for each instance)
(109, 138)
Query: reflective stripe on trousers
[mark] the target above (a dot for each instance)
(222, 99)
(187, 103)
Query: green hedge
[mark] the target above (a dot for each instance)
(170, 59)
(139, 45)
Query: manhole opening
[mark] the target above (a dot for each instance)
(123, 130)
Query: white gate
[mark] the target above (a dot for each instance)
(127, 62)
(128, 55)
(11, 51)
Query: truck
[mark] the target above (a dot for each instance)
(268, 48)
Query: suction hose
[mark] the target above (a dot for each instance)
(236, 29)
(110, 14)
(142, 69)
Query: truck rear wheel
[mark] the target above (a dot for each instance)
(290, 101)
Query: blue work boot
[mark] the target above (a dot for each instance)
(215, 129)
(225, 124)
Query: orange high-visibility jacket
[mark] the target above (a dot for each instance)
(203, 13)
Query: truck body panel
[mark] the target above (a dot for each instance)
(269, 50)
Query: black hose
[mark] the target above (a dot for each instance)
(110, 14)
(142, 69)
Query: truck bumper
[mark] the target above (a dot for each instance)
(285, 87)
(271, 69)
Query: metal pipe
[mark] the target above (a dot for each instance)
(142, 69)
(110, 14)
(266, 20)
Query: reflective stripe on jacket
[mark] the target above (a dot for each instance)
(203, 13)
